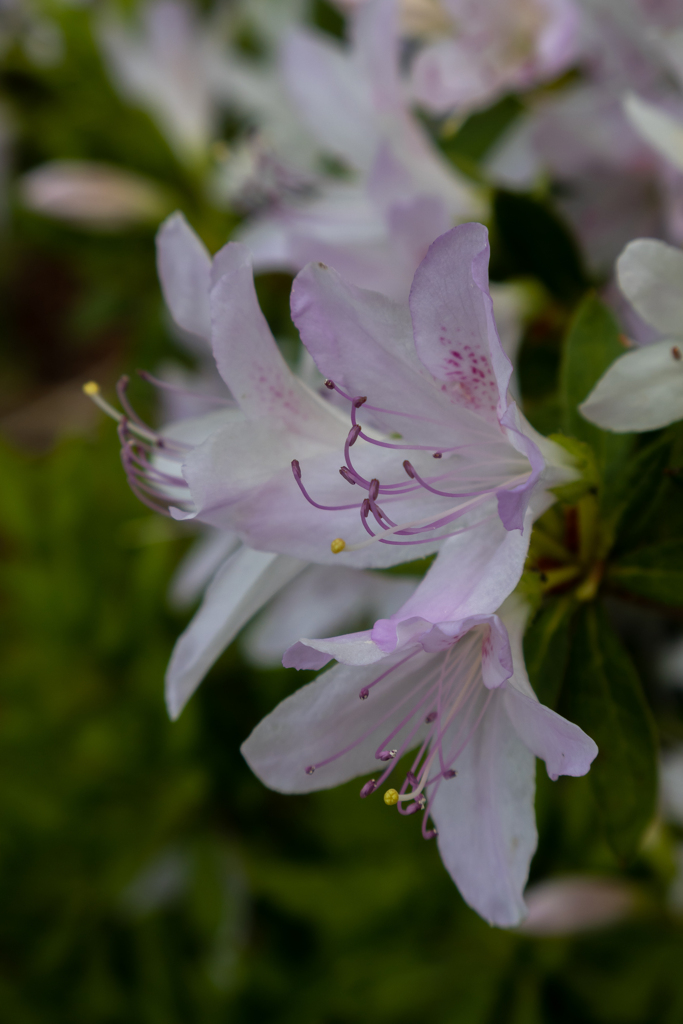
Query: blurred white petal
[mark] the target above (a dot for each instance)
(562, 906)
(92, 194)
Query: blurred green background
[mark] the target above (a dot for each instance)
(146, 877)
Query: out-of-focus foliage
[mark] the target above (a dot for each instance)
(145, 874)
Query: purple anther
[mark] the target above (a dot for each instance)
(368, 788)
(348, 476)
(431, 833)
(422, 801)
(412, 808)
(409, 469)
(310, 769)
(373, 490)
(450, 774)
(437, 455)
(358, 402)
(411, 779)
(386, 755)
(296, 469)
(364, 693)
(430, 717)
(365, 508)
(329, 384)
(353, 434)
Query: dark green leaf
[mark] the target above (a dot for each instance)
(603, 695)
(546, 648)
(644, 486)
(591, 345)
(480, 130)
(654, 572)
(531, 239)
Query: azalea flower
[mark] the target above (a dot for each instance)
(376, 227)
(444, 677)
(164, 65)
(475, 467)
(470, 53)
(474, 51)
(642, 389)
(445, 450)
(611, 185)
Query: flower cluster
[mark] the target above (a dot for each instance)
(398, 436)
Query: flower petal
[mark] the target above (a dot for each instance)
(184, 267)
(656, 126)
(472, 575)
(325, 717)
(247, 356)
(513, 502)
(199, 566)
(364, 342)
(650, 275)
(455, 333)
(485, 818)
(243, 585)
(321, 602)
(641, 390)
(565, 748)
(333, 99)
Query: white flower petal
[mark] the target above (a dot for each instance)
(200, 565)
(326, 717)
(650, 274)
(323, 601)
(641, 390)
(184, 267)
(663, 132)
(241, 587)
(485, 818)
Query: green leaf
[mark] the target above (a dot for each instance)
(530, 238)
(478, 133)
(546, 648)
(654, 572)
(603, 695)
(591, 345)
(644, 486)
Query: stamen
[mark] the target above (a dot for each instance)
(386, 755)
(353, 434)
(368, 788)
(92, 390)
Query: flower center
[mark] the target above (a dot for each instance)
(472, 490)
(439, 712)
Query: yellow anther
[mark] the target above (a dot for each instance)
(337, 545)
(391, 797)
(91, 388)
